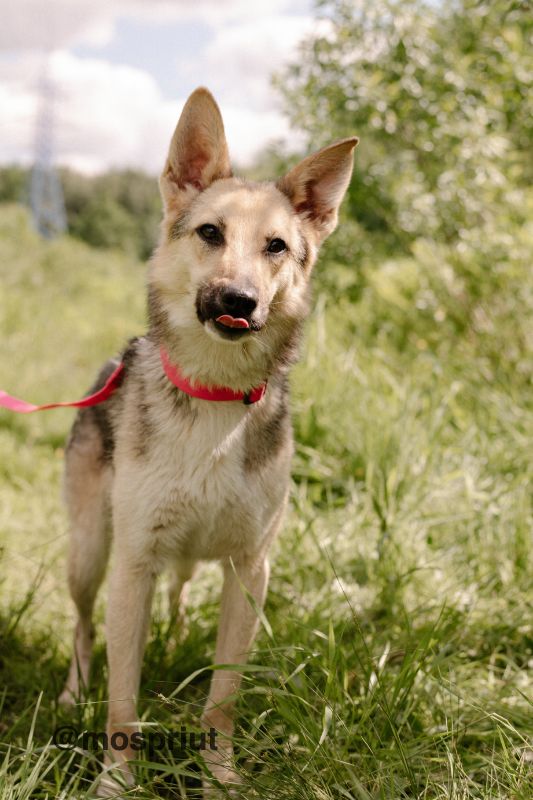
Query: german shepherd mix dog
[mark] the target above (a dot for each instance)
(190, 457)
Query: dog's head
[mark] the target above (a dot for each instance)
(235, 257)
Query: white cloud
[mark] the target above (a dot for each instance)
(109, 115)
(248, 131)
(37, 25)
(238, 64)
(240, 59)
(213, 12)
(105, 115)
(52, 24)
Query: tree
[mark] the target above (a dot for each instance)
(438, 94)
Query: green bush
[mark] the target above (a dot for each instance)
(438, 94)
(120, 209)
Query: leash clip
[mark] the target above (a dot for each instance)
(254, 395)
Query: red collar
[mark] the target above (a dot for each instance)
(202, 392)
(115, 379)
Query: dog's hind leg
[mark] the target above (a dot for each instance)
(87, 481)
(178, 590)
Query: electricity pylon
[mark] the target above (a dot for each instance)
(46, 194)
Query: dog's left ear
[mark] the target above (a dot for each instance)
(198, 153)
(317, 185)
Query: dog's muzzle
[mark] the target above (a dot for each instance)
(232, 310)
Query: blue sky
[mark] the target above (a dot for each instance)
(122, 69)
(154, 46)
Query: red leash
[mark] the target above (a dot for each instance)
(22, 407)
(115, 379)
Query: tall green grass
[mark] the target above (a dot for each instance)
(394, 655)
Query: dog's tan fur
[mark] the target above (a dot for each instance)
(184, 479)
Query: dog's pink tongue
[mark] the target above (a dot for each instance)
(233, 322)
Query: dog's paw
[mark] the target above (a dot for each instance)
(107, 787)
(67, 698)
(222, 772)
(232, 786)
(115, 781)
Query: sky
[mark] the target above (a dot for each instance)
(120, 71)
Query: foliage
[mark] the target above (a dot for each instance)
(120, 209)
(13, 184)
(437, 228)
(438, 93)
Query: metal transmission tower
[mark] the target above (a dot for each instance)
(46, 194)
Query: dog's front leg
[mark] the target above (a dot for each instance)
(127, 621)
(236, 633)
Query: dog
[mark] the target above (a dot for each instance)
(189, 459)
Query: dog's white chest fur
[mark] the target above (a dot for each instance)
(204, 453)
(189, 494)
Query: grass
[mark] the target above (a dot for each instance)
(398, 629)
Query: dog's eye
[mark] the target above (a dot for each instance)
(210, 234)
(276, 246)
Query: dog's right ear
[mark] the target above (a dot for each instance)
(198, 153)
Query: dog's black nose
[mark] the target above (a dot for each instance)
(237, 302)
